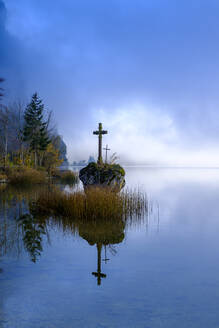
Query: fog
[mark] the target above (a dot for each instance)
(148, 70)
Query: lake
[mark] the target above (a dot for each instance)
(160, 271)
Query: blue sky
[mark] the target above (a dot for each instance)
(147, 69)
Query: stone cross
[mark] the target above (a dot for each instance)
(100, 132)
(106, 149)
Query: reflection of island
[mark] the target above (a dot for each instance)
(102, 233)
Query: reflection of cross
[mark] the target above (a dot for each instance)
(99, 274)
(106, 149)
(100, 132)
(106, 259)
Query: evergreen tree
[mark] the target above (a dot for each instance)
(35, 131)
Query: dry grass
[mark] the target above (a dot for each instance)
(68, 177)
(95, 203)
(56, 173)
(3, 176)
(26, 176)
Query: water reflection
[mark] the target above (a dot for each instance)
(104, 233)
(18, 227)
(23, 230)
(166, 279)
(32, 231)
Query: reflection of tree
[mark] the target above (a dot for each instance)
(14, 202)
(32, 235)
(9, 232)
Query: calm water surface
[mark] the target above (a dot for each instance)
(160, 272)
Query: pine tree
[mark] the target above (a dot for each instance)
(35, 131)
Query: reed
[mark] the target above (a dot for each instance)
(68, 177)
(26, 176)
(3, 177)
(95, 203)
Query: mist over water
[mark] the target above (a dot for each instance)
(160, 271)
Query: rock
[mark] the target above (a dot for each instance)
(105, 175)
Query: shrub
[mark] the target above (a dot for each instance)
(3, 177)
(26, 176)
(56, 173)
(69, 177)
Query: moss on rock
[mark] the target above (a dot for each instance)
(106, 175)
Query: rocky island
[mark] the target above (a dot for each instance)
(102, 174)
(105, 175)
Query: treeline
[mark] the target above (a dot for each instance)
(28, 137)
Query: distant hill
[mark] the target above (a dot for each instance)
(61, 146)
(83, 162)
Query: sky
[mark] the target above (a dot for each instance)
(147, 69)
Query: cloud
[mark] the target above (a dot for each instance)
(143, 135)
(85, 55)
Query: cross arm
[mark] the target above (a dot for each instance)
(100, 132)
(99, 274)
